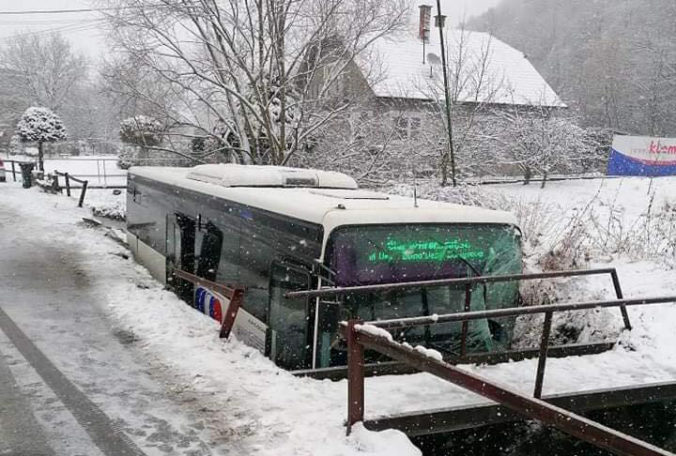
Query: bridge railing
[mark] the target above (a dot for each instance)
(374, 336)
(467, 283)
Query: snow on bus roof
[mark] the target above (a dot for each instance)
(233, 175)
(329, 207)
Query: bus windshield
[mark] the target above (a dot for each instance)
(367, 255)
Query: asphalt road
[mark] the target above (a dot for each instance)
(70, 382)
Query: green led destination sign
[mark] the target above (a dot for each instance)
(421, 250)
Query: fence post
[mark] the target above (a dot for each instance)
(67, 184)
(82, 195)
(231, 314)
(13, 171)
(542, 360)
(618, 293)
(355, 377)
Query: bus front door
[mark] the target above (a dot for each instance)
(181, 253)
(289, 319)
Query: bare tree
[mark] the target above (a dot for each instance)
(40, 70)
(272, 71)
(405, 135)
(368, 142)
(474, 87)
(535, 141)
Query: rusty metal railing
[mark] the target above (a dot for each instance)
(362, 336)
(234, 294)
(467, 283)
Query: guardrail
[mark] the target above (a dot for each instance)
(373, 336)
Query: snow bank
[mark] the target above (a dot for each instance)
(105, 203)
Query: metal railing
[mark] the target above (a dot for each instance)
(234, 294)
(361, 336)
(467, 283)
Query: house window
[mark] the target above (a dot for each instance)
(407, 127)
(414, 127)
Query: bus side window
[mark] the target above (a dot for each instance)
(288, 319)
(210, 252)
(181, 252)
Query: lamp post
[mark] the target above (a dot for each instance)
(439, 21)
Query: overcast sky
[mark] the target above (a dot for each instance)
(83, 28)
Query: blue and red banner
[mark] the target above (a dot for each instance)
(642, 156)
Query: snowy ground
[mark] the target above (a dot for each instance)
(246, 404)
(99, 171)
(263, 410)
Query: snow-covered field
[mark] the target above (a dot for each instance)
(264, 410)
(99, 171)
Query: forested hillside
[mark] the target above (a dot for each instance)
(612, 61)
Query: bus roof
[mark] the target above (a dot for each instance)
(330, 207)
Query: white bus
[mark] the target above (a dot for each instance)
(275, 229)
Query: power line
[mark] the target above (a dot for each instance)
(63, 30)
(64, 11)
(72, 11)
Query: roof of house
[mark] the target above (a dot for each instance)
(490, 70)
(331, 207)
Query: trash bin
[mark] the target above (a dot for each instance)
(27, 174)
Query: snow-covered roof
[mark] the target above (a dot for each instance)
(489, 70)
(330, 207)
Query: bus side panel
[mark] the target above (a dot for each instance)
(146, 227)
(155, 262)
(132, 242)
(252, 238)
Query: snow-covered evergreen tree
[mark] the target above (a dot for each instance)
(40, 125)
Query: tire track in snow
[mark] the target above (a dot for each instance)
(104, 433)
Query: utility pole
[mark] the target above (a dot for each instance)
(439, 21)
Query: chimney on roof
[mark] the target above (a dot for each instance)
(424, 23)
